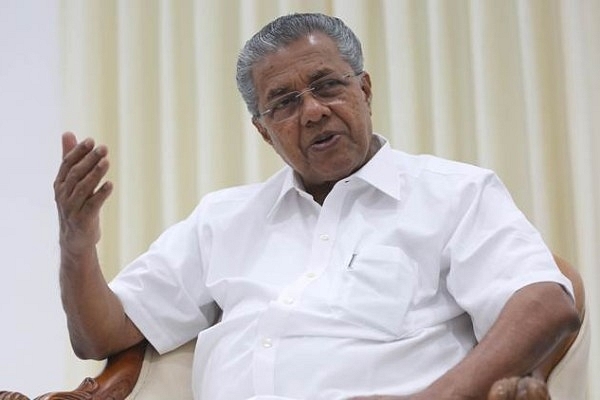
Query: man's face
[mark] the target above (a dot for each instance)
(322, 141)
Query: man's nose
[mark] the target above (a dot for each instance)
(311, 108)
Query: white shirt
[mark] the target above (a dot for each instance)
(380, 290)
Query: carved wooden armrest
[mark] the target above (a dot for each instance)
(115, 382)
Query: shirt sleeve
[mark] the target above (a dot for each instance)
(494, 252)
(163, 292)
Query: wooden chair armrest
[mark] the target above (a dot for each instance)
(115, 382)
(12, 396)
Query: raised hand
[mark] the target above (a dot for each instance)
(78, 193)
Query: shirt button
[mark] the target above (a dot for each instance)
(324, 237)
(311, 275)
(288, 300)
(267, 343)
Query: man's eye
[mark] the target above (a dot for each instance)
(284, 102)
(328, 87)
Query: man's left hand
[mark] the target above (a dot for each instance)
(519, 388)
(515, 388)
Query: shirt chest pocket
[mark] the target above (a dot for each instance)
(374, 289)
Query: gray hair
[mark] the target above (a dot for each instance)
(285, 30)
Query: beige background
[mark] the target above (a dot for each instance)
(509, 85)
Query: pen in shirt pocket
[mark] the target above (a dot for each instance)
(349, 266)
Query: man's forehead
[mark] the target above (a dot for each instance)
(316, 45)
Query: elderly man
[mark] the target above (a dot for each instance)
(357, 270)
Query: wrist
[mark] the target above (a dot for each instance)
(448, 388)
(79, 256)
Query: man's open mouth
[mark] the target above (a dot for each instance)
(324, 140)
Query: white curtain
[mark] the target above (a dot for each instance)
(509, 85)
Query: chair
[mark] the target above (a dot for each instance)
(140, 373)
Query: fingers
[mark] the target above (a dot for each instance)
(519, 388)
(82, 169)
(79, 193)
(68, 142)
(73, 153)
(95, 202)
(532, 389)
(84, 177)
(504, 389)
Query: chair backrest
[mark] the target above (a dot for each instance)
(167, 376)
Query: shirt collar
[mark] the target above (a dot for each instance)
(291, 183)
(381, 172)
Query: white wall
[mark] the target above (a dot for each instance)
(33, 338)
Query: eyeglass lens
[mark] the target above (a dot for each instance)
(327, 90)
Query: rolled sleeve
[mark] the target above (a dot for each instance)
(162, 291)
(495, 251)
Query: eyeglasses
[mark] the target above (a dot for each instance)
(328, 90)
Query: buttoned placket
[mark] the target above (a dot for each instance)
(271, 324)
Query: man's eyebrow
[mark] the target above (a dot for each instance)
(319, 74)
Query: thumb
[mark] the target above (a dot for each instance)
(69, 141)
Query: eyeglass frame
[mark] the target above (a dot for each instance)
(299, 93)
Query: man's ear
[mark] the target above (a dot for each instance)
(262, 130)
(365, 85)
